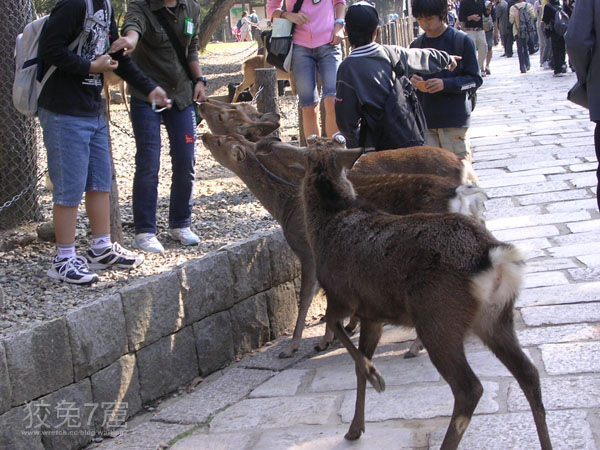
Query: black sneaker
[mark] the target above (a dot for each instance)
(114, 256)
(72, 270)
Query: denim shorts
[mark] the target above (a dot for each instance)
(78, 155)
(305, 63)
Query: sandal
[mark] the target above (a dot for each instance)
(487, 71)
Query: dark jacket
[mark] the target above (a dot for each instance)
(468, 8)
(451, 108)
(583, 43)
(155, 54)
(72, 90)
(365, 78)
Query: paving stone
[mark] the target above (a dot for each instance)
(590, 260)
(251, 266)
(579, 238)
(545, 279)
(573, 205)
(250, 323)
(282, 306)
(516, 234)
(39, 361)
(560, 393)
(544, 219)
(512, 181)
(216, 441)
(206, 286)
(516, 167)
(578, 180)
(285, 266)
(5, 389)
(572, 293)
(549, 264)
(234, 385)
(321, 438)
(568, 431)
(153, 309)
(283, 384)
(589, 274)
(584, 167)
(118, 387)
(276, 412)
(167, 364)
(560, 314)
(575, 194)
(214, 353)
(414, 402)
(533, 188)
(572, 358)
(146, 436)
(491, 214)
(16, 432)
(579, 227)
(71, 417)
(565, 333)
(97, 335)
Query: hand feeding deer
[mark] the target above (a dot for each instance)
(443, 274)
(277, 188)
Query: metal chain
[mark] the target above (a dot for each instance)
(253, 101)
(123, 130)
(17, 197)
(246, 50)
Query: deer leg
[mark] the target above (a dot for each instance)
(246, 82)
(370, 333)
(414, 349)
(124, 96)
(352, 325)
(362, 363)
(308, 288)
(502, 340)
(326, 340)
(447, 354)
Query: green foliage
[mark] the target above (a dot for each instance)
(43, 7)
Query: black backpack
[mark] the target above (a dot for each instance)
(401, 122)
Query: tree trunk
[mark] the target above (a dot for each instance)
(18, 143)
(116, 227)
(212, 20)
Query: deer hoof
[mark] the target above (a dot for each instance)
(351, 329)
(287, 353)
(376, 379)
(320, 347)
(354, 434)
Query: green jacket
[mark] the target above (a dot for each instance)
(155, 54)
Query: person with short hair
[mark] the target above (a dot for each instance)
(445, 95)
(522, 41)
(470, 14)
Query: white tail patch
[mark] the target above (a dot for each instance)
(468, 175)
(498, 286)
(469, 201)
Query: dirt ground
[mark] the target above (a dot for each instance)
(224, 212)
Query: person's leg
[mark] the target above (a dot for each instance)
(562, 57)
(305, 78)
(181, 127)
(508, 43)
(431, 138)
(489, 36)
(146, 128)
(527, 53)
(556, 60)
(481, 44)
(457, 141)
(521, 50)
(329, 58)
(597, 146)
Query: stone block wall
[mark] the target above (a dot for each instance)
(63, 380)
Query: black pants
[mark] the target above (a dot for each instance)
(558, 52)
(597, 145)
(508, 43)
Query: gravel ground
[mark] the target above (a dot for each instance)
(224, 212)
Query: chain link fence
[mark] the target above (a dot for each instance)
(18, 137)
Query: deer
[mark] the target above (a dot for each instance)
(258, 62)
(399, 194)
(443, 274)
(112, 79)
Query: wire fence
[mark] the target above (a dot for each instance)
(18, 138)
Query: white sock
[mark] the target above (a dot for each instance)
(100, 242)
(65, 250)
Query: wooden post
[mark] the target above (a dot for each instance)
(266, 83)
(116, 228)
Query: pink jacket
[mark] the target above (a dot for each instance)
(318, 31)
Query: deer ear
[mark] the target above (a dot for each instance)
(347, 157)
(259, 129)
(270, 117)
(264, 145)
(238, 152)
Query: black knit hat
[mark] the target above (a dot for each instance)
(362, 17)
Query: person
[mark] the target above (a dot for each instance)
(452, 16)
(544, 41)
(246, 28)
(489, 19)
(254, 21)
(519, 32)
(364, 79)
(317, 36)
(76, 135)
(471, 14)
(583, 43)
(154, 53)
(556, 40)
(501, 21)
(444, 95)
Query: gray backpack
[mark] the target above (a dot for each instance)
(29, 71)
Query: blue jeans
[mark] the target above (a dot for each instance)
(78, 156)
(523, 52)
(305, 63)
(181, 128)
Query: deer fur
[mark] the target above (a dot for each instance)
(443, 274)
(277, 188)
(258, 62)
(112, 79)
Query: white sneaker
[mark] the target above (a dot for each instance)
(184, 235)
(148, 243)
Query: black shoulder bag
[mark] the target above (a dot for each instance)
(279, 49)
(401, 122)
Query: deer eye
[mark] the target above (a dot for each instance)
(220, 117)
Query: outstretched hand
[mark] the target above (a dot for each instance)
(453, 64)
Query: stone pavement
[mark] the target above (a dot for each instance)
(535, 157)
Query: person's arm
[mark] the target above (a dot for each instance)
(133, 28)
(426, 60)
(469, 76)
(580, 38)
(274, 11)
(194, 64)
(347, 112)
(337, 35)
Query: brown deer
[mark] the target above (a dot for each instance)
(398, 194)
(258, 62)
(112, 79)
(443, 274)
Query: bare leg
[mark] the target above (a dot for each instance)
(309, 119)
(65, 222)
(97, 205)
(330, 124)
